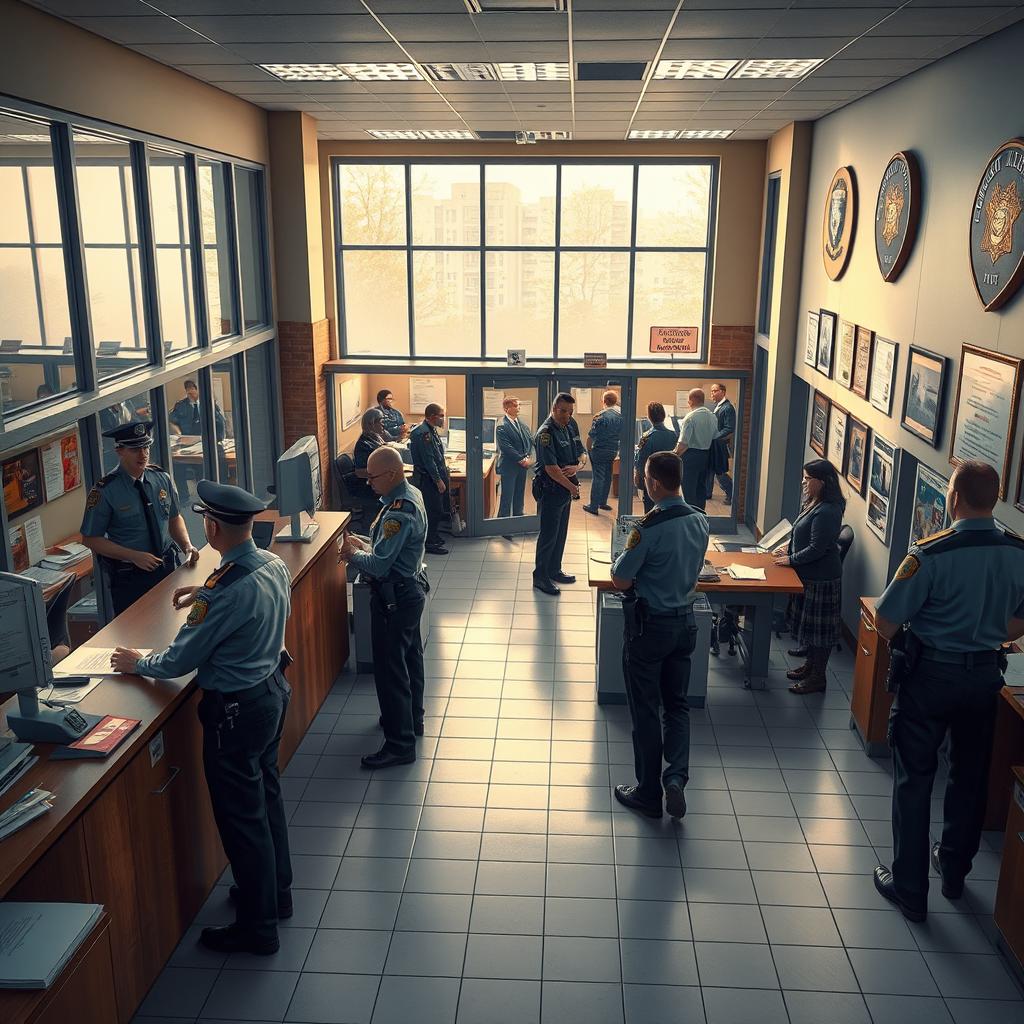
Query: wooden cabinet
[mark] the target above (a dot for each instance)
(870, 703)
(1009, 912)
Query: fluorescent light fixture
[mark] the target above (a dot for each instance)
(382, 72)
(653, 133)
(705, 133)
(513, 6)
(772, 68)
(474, 72)
(553, 136)
(306, 72)
(432, 135)
(442, 134)
(551, 71)
(676, 69)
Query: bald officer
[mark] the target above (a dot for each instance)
(233, 639)
(132, 517)
(603, 440)
(658, 570)
(660, 438)
(960, 593)
(392, 558)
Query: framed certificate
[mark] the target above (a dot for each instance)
(836, 450)
(883, 374)
(811, 339)
(844, 353)
(862, 361)
(923, 395)
(819, 423)
(882, 486)
(985, 410)
(826, 341)
(857, 454)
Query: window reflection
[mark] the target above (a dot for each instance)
(593, 298)
(445, 204)
(597, 204)
(187, 441)
(174, 251)
(372, 204)
(447, 303)
(373, 326)
(213, 212)
(230, 459)
(520, 302)
(249, 213)
(260, 401)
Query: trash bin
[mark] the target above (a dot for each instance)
(83, 620)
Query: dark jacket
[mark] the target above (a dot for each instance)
(813, 551)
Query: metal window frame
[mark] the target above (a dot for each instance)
(713, 163)
(766, 284)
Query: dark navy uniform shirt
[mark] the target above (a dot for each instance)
(658, 439)
(606, 434)
(555, 446)
(428, 452)
(114, 509)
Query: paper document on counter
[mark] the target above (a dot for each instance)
(90, 661)
(745, 572)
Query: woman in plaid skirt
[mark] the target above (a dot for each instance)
(814, 554)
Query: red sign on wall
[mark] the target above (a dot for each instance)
(682, 340)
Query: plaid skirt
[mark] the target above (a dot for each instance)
(814, 615)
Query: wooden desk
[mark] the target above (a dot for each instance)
(1009, 908)
(135, 831)
(757, 595)
(457, 485)
(870, 701)
(1007, 752)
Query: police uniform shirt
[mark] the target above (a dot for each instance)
(664, 560)
(699, 428)
(658, 439)
(578, 447)
(114, 509)
(554, 446)
(428, 452)
(234, 633)
(398, 536)
(605, 433)
(958, 598)
(393, 422)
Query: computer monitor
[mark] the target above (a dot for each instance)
(490, 424)
(456, 433)
(26, 663)
(297, 484)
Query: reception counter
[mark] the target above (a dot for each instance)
(135, 831)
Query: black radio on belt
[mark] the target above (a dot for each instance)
(904, 654)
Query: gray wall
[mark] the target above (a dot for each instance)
(953, 114)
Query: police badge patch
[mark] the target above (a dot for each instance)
(907, 568)
(997, 233)
(840, 222)
(544, 437)
(391, 528)
(897, 210)
(93, 500)
(200, 606)
(633, 539)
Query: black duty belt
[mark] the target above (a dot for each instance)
(250, 693)
(679, 613)
(963, 659)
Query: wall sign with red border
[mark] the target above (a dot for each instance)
(678, 340)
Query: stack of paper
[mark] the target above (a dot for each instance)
(66, 555)
(15, 760)
(90, 661)
(38, 939)
(32, 805)
(745, 572)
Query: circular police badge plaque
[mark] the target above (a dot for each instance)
(840, 222)
(897, 210)
(997, 230)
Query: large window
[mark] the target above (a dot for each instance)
(436, 260)
(251, 246)
(220, 277)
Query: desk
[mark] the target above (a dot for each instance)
(135, 831)
(758, 595)
(870, 701)
(457, 485)
(1007, 752)
(80, 570)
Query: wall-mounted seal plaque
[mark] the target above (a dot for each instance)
(897, 211)
(839, 223)
(997, 229)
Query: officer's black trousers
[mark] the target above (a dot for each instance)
(245, 791)
(936, 699)
(695, 477)
(398, 670)
(601, 485)
(126, 587)
(553, 506)
(656, 668)
(434, 505)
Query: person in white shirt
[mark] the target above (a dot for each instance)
(699, 428)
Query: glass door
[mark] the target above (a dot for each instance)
(497, 441)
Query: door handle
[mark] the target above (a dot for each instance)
(867, 625)
(867, 653)
(175, 772)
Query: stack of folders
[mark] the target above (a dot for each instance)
(15, 760)
(38, 939)
(32, 805)
(65, 556)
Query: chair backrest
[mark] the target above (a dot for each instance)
(342, 467)
(844, 542)
(57, 614)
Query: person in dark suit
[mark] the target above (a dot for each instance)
(186, 418)
(374, 435)
(813, 552)
(725, 413)
(514, 446)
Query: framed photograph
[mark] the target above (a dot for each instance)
(884, 357)
(811, 340)
(985, 410)
(23, 482)
(929, 514)
(836, 450)
(819, 423)
(844, 353)
(862, 361)
(826, 341)
(923, 394)
(883, 467)
(857, 454)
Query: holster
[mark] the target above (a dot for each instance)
(634, 610)
(537, 486)
(384, 591)
(904, 656)
(286, 661)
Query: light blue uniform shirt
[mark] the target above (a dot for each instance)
(398, 536)
(234, 633)
(699, 428)
(665, 560)
(606, 434)
(959, 598)
(114, 509)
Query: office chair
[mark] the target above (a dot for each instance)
(342, 470)
(57, 614)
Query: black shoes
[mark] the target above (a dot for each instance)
(232, 939)
(887, 888)
(284, 902)
(562, 577)
(436, 549)
(627, 796)
(951, 890)
(607, 508)
(546, 587)
(385, 759)
(590, 509)
(417, 727)
(798, 652)
(675, 800)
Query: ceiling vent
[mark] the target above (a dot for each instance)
(514, 6)
(611, 71)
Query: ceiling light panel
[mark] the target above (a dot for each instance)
(705, 133)
(433, 135)
(676, 69)
(771, 68)
(510, 6)
(654, 133)
(554, 136)
(306, 72)
(473, 72)
(551, 71)
(382, 72)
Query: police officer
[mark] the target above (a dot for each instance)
(233, 639)
(430, 472)
(960, 593)
(660, 438)
(515, 442)
(132, 517)
(603, 440)
(393, 559)
(554, 487)
(395, 428)
(658, 570)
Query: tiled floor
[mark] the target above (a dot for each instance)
(495, 881)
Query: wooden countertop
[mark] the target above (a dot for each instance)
(151, 622)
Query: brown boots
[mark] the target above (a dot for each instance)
(810, 676)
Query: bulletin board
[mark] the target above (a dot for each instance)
(424, 391)
(61, 465)
(351, 402)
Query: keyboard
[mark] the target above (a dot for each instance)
(44, 577)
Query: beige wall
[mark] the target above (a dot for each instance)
(399, 385)
(347, 438)
(52, 62)
(741, 183)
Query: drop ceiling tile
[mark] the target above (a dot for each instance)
(615, 49)
(222, 73)
(597, 89)
(499, 27)
(102, 8)
(625, 24)
(724, 24)
(390, 7)
(846, 21)
(181, 54)
(131, 31)
(960, 20)
(185, 8)
(706, 49)
(411, 28)
(401, 90)
(527, 49)
(582, 6)
(840, 67)
(788, 47)
(876, 45)
(447, 53)
(316, 53)
(290, 29)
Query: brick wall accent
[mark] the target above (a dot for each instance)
(733, 346)
(304, 348)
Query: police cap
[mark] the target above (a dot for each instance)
(132, 435)
(225, 502)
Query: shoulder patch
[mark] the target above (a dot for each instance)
(398, 503)
(200, 606)
(932, 538)
(544, 437)
(907, 568)
(391, 528)
(633, 539)
(93, 499)
(214, 578)
(104, 480)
